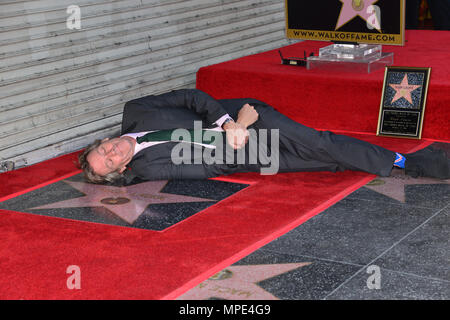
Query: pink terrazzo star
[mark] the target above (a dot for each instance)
(240, 282)
(403, 90)
(394, 187)
(126, 202)
(352, 8)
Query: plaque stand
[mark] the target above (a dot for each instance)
(351, 57)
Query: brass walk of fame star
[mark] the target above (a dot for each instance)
(239, 282)
(403, 90)
(394, 187)
(353, 8)
(126, 202)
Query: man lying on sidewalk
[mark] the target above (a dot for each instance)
(221, 137)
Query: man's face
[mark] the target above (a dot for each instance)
(111, 155)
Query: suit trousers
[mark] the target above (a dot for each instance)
(302, 148)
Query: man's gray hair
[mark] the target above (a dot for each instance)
(89, 173)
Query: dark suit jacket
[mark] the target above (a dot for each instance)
(300, 148)
(178, 109)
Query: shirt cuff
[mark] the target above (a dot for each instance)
(222, 119)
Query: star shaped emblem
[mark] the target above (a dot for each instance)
(403, 90)
(240, 282)
(126, 202)
(394, 186)
(353, 8)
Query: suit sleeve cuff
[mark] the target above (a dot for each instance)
(222, 119)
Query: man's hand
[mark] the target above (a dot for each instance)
(237, 133)
(247, 115)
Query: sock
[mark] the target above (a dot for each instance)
(399, 160)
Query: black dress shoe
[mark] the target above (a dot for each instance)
(428, 162)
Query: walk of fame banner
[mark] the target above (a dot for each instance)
(361, 21)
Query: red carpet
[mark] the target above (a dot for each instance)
(307, 96)
(127, 263)
(16, 182)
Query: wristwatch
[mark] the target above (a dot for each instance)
(227, 120)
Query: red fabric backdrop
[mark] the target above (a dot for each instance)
(335, 100)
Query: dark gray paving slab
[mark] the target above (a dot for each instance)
(425, 252)
(392, 286)
(353, 230)
(312, 281)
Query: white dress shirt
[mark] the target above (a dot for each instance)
(144, 145)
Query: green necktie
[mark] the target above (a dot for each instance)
(166, 135)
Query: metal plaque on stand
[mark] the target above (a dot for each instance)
(403, 102)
